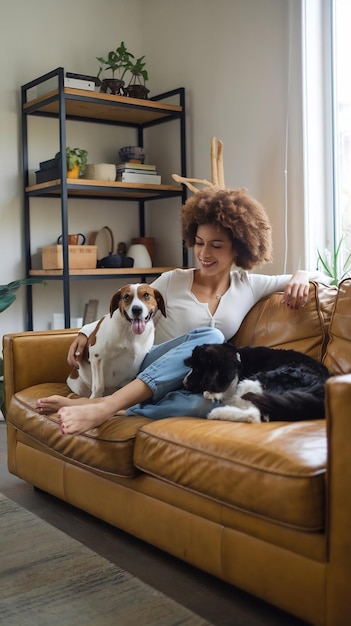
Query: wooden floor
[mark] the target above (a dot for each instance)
(215, 601)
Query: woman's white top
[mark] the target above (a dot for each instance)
(185, 312)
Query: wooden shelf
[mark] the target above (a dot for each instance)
(101, 272)
(92, 105)
(47, 97)
(100, 188)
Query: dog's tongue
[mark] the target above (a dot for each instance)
(138, 326)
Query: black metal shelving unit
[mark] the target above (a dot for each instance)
(64, 104)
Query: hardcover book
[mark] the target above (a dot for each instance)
(132, 170)
(127, 177)
(135, 166)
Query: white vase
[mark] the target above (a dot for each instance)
(139, 253)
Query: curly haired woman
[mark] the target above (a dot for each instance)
(230, 233)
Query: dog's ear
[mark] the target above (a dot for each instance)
(231, 352)
(196, 356)
(160, 302)
(115, 300)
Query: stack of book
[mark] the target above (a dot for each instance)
(138, 173)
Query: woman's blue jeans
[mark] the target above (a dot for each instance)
(163, 370)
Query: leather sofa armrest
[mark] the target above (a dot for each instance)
(338, 489)
(35, 357)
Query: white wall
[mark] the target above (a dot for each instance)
(36, 37)
(240, 63)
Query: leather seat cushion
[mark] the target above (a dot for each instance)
(275, 470)
(108, 448)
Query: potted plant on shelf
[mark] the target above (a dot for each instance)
(136, 87)
(76, 159)
(117, 61)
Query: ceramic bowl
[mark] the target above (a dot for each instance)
(130, 153)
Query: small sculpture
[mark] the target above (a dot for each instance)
(217, 170)
(122, 248)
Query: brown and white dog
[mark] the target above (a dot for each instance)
(119, 343)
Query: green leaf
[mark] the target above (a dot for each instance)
(6, 300)
(332, 269)
(7, 292)
(324, 264)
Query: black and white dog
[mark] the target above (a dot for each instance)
(257, 384)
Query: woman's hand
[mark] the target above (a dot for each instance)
(76, 350)
(296, 290)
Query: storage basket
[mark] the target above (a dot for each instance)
(79, 257)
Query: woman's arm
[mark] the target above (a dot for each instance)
(296, 290)
(77, 346)
(295, 287)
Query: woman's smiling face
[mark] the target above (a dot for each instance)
(213, 249)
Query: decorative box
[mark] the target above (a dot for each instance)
(79, 257)
(100, 171)
(43, 176)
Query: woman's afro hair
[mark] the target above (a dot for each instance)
(244, 219)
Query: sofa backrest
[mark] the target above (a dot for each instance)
(39, 356)
(338, 353)
(269, 323)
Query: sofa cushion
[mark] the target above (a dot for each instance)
(269, 323)
(108, 448)
(338, 354)
(274, 470)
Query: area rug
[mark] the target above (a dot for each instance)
(50, 579)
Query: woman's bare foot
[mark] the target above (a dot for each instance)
(78, 419)
(53, 403)
(75, 419)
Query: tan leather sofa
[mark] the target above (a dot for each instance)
(265, 507)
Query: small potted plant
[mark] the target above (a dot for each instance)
(76, 159)
(117, 61)
(136, 87)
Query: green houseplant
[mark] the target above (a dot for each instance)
(76, 159)
(7, 297)
(116, 61)
(330, 263)
(136, 87)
